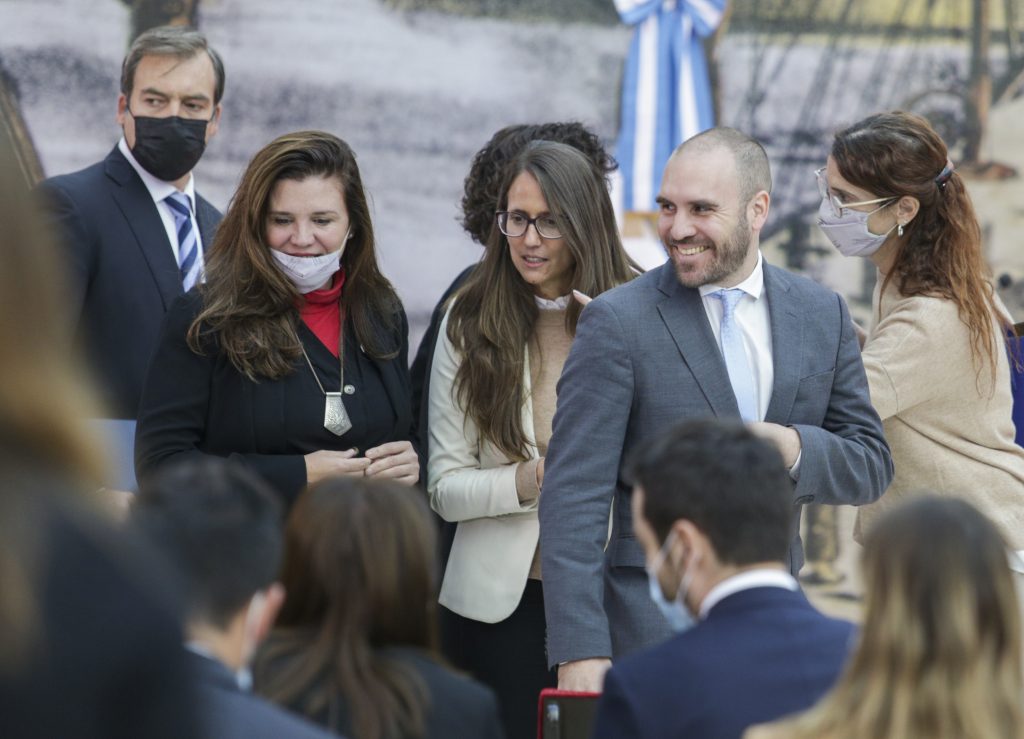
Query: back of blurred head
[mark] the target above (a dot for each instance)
(220, 526)
(711, 500)
(940, 649)
(42, 399)
(360, 574)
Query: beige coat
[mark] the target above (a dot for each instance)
(949, 427)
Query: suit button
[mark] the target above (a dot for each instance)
(349, 389)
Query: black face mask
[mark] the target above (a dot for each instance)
(168, 148)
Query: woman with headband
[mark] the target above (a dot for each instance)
(936, 358)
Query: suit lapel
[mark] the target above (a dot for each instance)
(787, 343)
(140, 212)
(684, 316)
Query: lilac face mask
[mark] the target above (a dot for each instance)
(849, 232)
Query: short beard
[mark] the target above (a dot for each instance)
(727, 258)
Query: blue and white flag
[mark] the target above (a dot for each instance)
(666, 94)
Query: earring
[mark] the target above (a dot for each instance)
(899, 230)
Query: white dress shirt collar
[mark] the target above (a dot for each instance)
(759, 578)
(158, 189)
(752, 286)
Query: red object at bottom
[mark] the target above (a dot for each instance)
(566, 714)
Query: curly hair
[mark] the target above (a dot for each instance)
(487, 172)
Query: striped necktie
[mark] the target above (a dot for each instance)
(731, 338)
(189, 264)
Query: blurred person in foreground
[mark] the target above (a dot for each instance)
(936, 358)
(90, 645)
(939, 655)
(219, 527)
(292, 356)
(355, 645)
(713, 510)
(492, 397)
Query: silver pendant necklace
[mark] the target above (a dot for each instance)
(336, 418)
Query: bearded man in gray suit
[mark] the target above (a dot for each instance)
(714, 332)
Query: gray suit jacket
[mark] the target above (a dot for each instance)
(645, 358)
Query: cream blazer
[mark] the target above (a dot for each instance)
(472, 483)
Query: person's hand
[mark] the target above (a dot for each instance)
(329, 463)
(540, 473)
(583, 675)
(786, 439)
(396, 461)
(581, 298)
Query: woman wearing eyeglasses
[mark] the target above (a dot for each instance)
(936, 359)
(492, 397)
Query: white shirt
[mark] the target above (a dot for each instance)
(754, 325)
(761, 578)
(158, 190)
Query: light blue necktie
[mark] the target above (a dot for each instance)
(189, 264)
(731, 339)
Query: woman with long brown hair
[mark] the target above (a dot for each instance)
(939, 654)
(936, 359)
(492, 397)
(292, 355)
(354, 645)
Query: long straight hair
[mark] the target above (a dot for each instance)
(940, 651)
(360, 576)
(249, 304)
(896, 154)
(493, 314)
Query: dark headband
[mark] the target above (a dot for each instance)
(945, 174)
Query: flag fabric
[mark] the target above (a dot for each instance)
(666, 93)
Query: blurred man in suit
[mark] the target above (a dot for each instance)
(712, 509)
(133, 226)
(715, 332)
(220, 528)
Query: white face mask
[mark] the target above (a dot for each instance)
(849, 232)
(308, 273)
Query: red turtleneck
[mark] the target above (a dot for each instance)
(321, 312)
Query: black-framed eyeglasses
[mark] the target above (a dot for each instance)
(514, 224)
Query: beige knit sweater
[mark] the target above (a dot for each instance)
(549, 348)
(948, 425)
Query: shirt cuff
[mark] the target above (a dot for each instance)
(794, 471)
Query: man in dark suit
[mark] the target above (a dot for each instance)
(712, 509)
(133, 227)
(714, 332)
(219, 527)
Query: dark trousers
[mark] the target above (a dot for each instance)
(509, 657)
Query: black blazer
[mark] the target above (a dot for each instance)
(229, 713)
(123, 276)
(200, 404)
(459, 708)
